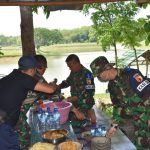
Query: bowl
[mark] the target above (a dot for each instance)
(69, 145)
(63, 108)
(55, 136)
(42, 146)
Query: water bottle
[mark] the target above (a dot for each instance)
(57, 118)
(100, 130)
(39, 112)
(42, 120)
(93, 130)
(50, 120)
(48, 110)
(103, 130)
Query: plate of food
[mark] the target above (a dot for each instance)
(70, 145)
(42, 146)
(55, 136)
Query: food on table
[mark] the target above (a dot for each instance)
(69, 145)
(42, 146)
(55, 134)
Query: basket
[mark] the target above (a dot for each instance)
(63, 108)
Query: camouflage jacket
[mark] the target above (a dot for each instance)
(81, 85)
(126, 102)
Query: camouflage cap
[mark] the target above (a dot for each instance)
(99, 65)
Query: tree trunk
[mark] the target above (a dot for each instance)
(116, 55)
(137, 64)
(27, 35)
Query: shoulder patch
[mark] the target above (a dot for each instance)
(138, 77)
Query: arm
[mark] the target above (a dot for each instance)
(65, 83)
(78, 113)
(116, 99)
(44, 87)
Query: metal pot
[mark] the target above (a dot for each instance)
(55, 136)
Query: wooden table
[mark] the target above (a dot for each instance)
(118, 142)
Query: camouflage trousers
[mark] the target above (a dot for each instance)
(142, 135)
(23, 128)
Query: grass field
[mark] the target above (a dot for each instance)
(58, 49)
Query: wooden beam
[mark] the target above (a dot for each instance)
(142, 1)
(52, 2)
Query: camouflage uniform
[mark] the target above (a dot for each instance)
(130, 95)
(23, 128)
(127, 104)
(81, 85)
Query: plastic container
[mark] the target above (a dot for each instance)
(63, 108)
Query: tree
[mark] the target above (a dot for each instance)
(41, 36)
(80, 35)
(132, 34)
(56, 37)
(27, 38)
(45, 37)
(147, 30)
(106, 21)
(2, 40)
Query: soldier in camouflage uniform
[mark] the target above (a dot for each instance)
(130, 95)
(82, 87)
(22, 126)
(41, 69)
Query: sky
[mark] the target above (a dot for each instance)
(10, 20)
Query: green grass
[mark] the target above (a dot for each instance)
(103, 98)
(104, 103)
(58, 49)
(61, 49)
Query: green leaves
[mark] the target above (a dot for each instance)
(113, 22)
(45, 37)
(147, 30)
(147, 27)
(45, 10)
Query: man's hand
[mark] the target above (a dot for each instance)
(72, 99)
(92, 116)
(110, 132)
(78, 114)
